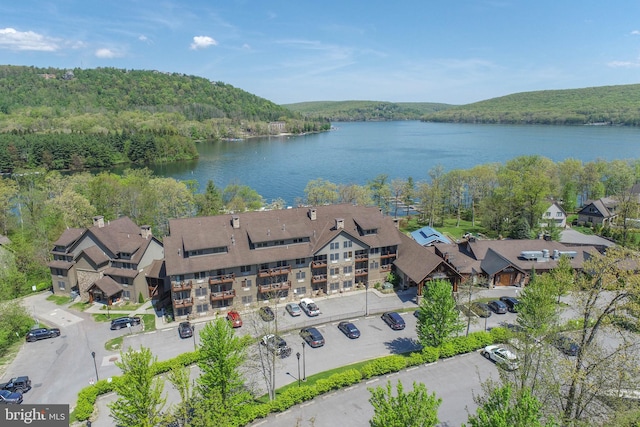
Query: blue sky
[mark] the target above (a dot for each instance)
(455, 52)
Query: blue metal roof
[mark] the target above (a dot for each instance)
(428, 236)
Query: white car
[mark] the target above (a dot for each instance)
(308, 306)
(502, 356)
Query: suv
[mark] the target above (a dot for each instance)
(308, 306)
(394, 320)
(511, 302)
(10, 398)
(17, 384)
(498, 307)
(312, 336)
(42, 333)
(123, 322)
(276, 345)
(234, 319)
(185, 330)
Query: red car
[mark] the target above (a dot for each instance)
(234, 319)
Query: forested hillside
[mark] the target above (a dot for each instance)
(611, 105)
(105, 116)
(362, 111)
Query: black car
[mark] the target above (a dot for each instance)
(185, 330)
(566, 345)
(312, 336)
(266, 314)
(394, 320)
(124, 322)
(511, 302)
(481, 309)
(498, 307)
(349, 329)
(10, 397)
(276, 345)
(42, 333)
(17, 384)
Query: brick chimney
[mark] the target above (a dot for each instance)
(145, 232)
(312, 214)
(98, 221)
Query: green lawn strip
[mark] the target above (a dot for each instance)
(114, 344)
(59, 299)
(80, 306)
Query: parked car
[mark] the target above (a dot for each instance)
(511, 302)
(10, 397)
(185, 330)
(498, 307)
(349, 329)
(276, 344)
(234, 319)
(124, 322)
(20, 384)
(502, 356)
(312, 336)
(293, 309)
(566, 345)
(394, 320)
(481, 309)
(308, 306)
(266, 314)
(42, 333)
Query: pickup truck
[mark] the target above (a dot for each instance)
(21, 384)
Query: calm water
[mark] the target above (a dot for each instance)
(281, 167)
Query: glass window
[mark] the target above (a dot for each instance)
(334, 286)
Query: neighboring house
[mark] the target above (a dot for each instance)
(598, 212)
(509, 262)
(427, 236)
(109, 262)
(554, 215)
(242, 259)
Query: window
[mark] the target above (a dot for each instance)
(373, 265)
(374, 250)
(301, 261)
(183, 311)
(246, 283)
(200, 275)
(347, 255)
(347, 244)
(559, 214)
(61, 285)
(298, 240)
(281, 264)
(57, 271)
(547, 214)
(347, 284)
(245, 269)
(202, 308)
(334, 245)
(300, 275)
(261, 245)
(348, 269)
(201, 292)
(334, 271)
(126, 295)
(300, 291)
(334, 286)
(247, 299)
(334, 257)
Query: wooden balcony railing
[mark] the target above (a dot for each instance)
(319, 264)
(362, 257)
(362, 272)
(184, 302)
(388, 255)
(385, 267)
(319, 278)
(185, 285)
(225, 278)
(274, 287)
(219, 296)
(276, 271)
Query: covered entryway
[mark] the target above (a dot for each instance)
(105, 290)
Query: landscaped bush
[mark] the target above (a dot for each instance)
(447, 349)
(499, 335)
(430, 354)
(384, 365)
(480, 339)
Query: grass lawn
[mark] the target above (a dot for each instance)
(59, 299)
(449, 228)
(114, 344)
(584, 230)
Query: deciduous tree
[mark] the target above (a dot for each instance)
(438, 318)
(416, 408)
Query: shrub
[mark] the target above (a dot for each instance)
(430, 354)
(447, 349)
(140, 298)
(384, 365)
(499, 334)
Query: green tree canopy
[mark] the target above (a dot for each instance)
(416, 408)
(438, 318)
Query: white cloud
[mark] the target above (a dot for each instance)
(13, 39)
(107, 53)
(142, 38)
(624, 64)
(635, 33)
(201, 42)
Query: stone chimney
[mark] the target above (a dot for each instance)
(339, 223)
(98, 221)
(145, 232)
(235, 221)
(312, 214)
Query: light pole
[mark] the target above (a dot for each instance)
(298, 356)
(93, 354)
(366, 299)
(193, 334)
(108, 308)
(304, 364)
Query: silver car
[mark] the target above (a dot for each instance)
(293, 309)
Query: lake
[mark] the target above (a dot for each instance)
(281, 167)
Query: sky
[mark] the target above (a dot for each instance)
(454, 52)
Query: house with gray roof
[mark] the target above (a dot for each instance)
(241, 259)
(110, 261)
(598, 212)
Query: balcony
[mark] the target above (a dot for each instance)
(362, 272)
(185, 285)
(274, 287)
(362, 257)
(276, 271)
(385, 267)
(224, 295)
(319, 278)
(219, 280)
(319, 264)
(388, 255)
(184, 302)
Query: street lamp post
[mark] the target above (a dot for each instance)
(93, 354)
(366, 299)
(298, 356)
(108, 314)
(193, 334)
(304, 364)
